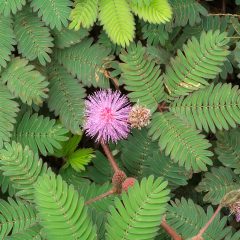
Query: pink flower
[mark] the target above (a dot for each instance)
(107, 116)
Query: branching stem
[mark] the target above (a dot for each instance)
(110, 157)
(171, 232)
(202, 231)
(110, 192)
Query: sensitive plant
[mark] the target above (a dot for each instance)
(119, 119)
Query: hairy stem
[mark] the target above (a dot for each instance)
(170, 231)
(202, 231)
(110, 157)
(110, 192)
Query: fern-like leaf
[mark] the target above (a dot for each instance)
(138, 213)
(25, 82)
(218, 183)
(8, 114)
(40, 133)
(22, 167)
(84, 14)
(87, 61)
(54, 13)
(183, 143)
(16, 216)
(157, 11)
(117, 21)
(28, 234)
(142, 77)
(11, 6)
(66, 98)
(228, 149)
(66, 38)
(201, 60)
(187, 218)
(7, 39)
(34, 39)
(215, 107)
(187, 11)
(80, 158)
(53, 198)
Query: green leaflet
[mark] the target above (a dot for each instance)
(84, 14)
(66, 98)
(54, 13)
(180, 141)
(16, 216)
(56, 202)
(11, 6)
(66, 38)
(197, 63)
(139, 211)
(7, 39)
(40, 133)
(87, 61)
(22, 167)
(215, 107)
(142, 77)
(33, 38)
(187, 218)
(8, 114)
(228, 149)
(187, 11)
(25, 82)
(117, 21)
(156, 11)
(218, 183)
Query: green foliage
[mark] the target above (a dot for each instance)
(187, 11)
(84, 14)
(117, 21)
(66, 38)
(79, 159)
(29, 234)
(8, 113)
(22, 167)
(87, 61)
(187, 218)
(40, 133)
(183, 143)
(215, 107)
(155, 34)
(33, 38)
(25, 82)
(11, 6)
(200, 61)
(218, 183)
(54, 13)
(16, 216)
(142, 77)
(139, 211)
(157, 11)
(7, 39)
(53, 197)
(66, 98)
(228, 149)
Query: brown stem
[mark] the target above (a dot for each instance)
(110, 192)
(224, 14)
(202, 231)
(114, 80)
(171, 232)
(162, 107)
(110, 157)
(223, 6)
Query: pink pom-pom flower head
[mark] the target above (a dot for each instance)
(106, 116)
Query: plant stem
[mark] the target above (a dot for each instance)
(110, 157)
(171, 232)
(110, 192)
(224, 14)
(202, 231)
